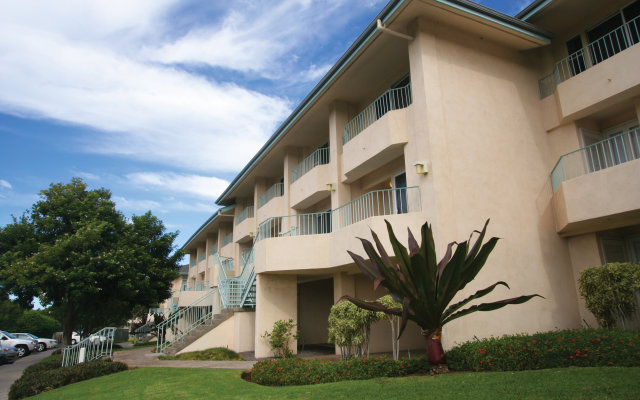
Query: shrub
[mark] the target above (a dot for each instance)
(280, 337)
(46, 364)
(215, 354)
(297, 371)
(609, 290)
(41, 379)
(349, 328)
(567, 348)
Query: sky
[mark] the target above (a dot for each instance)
(161, 101)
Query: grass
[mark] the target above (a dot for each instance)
(215, 354)
(179, 383)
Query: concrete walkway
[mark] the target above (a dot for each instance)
(142, 358)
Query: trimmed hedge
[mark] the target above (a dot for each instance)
(48, 375)
(567, 348)
(298, 371)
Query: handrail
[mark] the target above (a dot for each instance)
(226, 263)
(606, 153)
(234, 289)
(318, 157)
(371, 204)
(277, 190)
(392, 99)
(244, 214)
(593, 53)
(96, 346)
(182, 322)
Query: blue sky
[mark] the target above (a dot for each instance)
(161, 101)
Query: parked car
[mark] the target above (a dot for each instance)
(24, 346)
(8, 354)
(42, 343)
(75, 337)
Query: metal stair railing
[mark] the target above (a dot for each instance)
(185, 320)
(235, 290)
(96, 346)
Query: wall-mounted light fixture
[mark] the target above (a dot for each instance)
(422, 167)
(252, 234)
(330, 187)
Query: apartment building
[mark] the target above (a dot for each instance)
(442, 111)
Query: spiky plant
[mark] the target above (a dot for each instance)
(424, 286)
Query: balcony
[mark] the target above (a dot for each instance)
(372, 204)
(310, 179)
(276, 190)
(245, 225)
(227, 239)
(304, 241)
(377, 135)
(596, 187)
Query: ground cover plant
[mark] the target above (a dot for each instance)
(48, 374)
(188, 384)
(566, 348)
(281, 337)
(425, 286)
(214, 354)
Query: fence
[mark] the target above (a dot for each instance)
(606, 153)
(392, 99)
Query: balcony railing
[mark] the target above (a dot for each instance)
(199, 286)
(193, 262)
(318, 157)
(372, 204)
(295, 225)
(276, 190)
(607, 153)
(226, 263)
(202, 257)
(244, 214)
(227, 239)
(595, 52)
(392, 99)
(213, 249)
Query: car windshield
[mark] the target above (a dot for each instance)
(10, 336)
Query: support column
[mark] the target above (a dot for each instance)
(338, 118)
(584, 252)
(636, 103)
(276, 299)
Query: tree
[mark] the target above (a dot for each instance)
(350, 328)
(78, 253)
(426, 287)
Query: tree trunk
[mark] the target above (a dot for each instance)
(68, 323)
(435, 352)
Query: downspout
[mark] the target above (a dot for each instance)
(383, 28)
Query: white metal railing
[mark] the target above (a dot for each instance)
(226, 263)
(235, 291)
(142, 332)
(244, 214)
(276, 190)
(227, 239)
(197, 287)
(213, 249)
(371, 204)
(158, 310)
(295, 225)
(318, 157)
(193, 262)
(595, 52)
(392, 99)
(606, 153)
(96, 346)
(202, 257)
(186, 319)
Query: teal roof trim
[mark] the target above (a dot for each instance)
(532, 9)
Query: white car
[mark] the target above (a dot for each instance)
(75, 337)
(43, 343)
(24, 346)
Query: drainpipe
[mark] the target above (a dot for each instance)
(383, 28)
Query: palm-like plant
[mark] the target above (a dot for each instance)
(424, 286)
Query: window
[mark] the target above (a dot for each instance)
(615, 34)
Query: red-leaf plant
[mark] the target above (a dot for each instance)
(424, 286)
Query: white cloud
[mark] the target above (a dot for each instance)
(5, 184)
(204, 187)
(137, 205)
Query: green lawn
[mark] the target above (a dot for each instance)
(177, 383)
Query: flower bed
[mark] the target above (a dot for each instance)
(567, 348)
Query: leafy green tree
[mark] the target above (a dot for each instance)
(82, 256)
(424, 286)
(38, 323)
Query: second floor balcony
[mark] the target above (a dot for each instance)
(274, 191)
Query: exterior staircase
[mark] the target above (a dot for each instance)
(198, 332)
(188, 324)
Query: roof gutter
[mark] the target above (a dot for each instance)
(212, 218)
(532, 9)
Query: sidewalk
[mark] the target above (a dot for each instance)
(143, 357)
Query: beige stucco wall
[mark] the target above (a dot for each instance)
(311, 187)
(585, 253)
(481, 129)
(276, 299)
